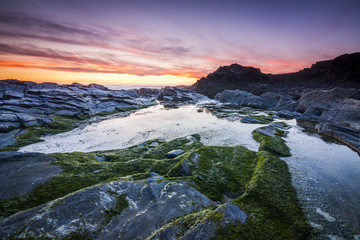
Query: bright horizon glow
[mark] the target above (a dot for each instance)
(168, 42)
(40, 76)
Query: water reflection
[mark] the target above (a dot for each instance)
(327, 178)
(146, 124)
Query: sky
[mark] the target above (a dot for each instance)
(142, 42)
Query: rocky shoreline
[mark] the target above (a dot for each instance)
(169, 189)
(29, 110)
(328, 92)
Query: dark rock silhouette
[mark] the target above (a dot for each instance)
(343, 71)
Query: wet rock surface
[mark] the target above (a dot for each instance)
(20, 173)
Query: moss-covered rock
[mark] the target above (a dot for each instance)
(275, 144)
(271, 204)
(81, 170)
(213, 192)
(219, 171)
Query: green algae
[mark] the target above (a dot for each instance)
(33, 134)
(219, 171)
(82, 170)
(271, 204)
(187, 222)
(275, 145)
(262, 118)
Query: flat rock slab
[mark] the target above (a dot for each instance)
(20, 173)
(151, 205)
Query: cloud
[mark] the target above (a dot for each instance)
(20, 25)
(24, 21)
(102, 63)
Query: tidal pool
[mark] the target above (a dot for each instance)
(326, 175)
(153, 122)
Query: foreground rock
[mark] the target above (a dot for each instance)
(205, 193)
(20, 173)
(126, 210)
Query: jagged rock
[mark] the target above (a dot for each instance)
(20, 173)
(232, 214)
(24, 104)
(174, 153)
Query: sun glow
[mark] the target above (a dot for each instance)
(43, 75)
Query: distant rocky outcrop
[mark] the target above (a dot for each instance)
(234, 76)
(329, 91)
(343, 71)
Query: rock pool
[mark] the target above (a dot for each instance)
(326, 175)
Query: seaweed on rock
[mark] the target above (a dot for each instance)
(254, 185)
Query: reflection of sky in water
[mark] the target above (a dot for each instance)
(326, 175)
(146, 124)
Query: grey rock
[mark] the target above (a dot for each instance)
(174, 153)
(8, 117)
(100, 158)
(20, 173)
(270, 129)
(191, 140)
(338, 105)
(232, 214)
(207, 228)
(96, 171)
(288, 114)
(8, 138)
(349, 136)
(150, 206)
(268, 100)
(154, 144)
(66, 112)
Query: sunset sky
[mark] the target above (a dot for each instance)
(168, 42)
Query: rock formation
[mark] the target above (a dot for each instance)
(329, 91)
